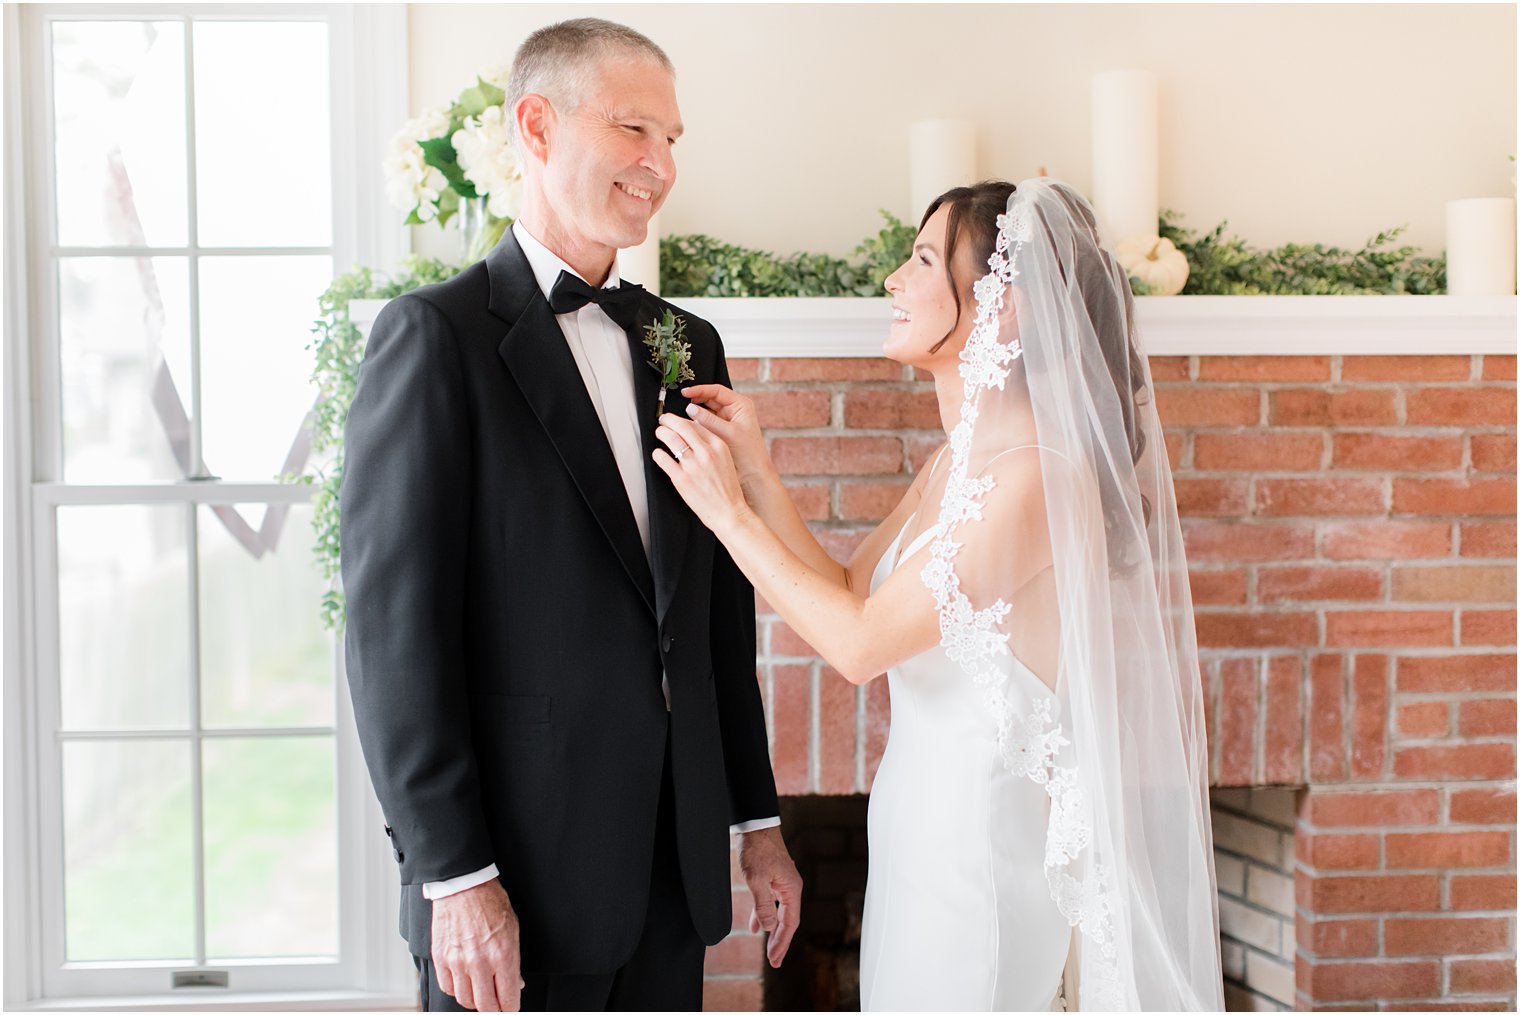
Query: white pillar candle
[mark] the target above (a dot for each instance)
(1126, 163)
(641, 264)
(941, 155)
(1480, 246)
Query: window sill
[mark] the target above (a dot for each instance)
(213, 1000)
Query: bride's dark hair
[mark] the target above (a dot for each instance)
(973, 221)
(1109, 305)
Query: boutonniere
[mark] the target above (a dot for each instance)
(669, 352)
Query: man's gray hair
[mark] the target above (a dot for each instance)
(561, 61)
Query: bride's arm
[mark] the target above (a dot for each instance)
(859, 635)
(768, 497)
(730, 416)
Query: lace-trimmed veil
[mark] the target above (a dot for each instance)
(1103, 619)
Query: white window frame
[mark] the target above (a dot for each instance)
(369, 99)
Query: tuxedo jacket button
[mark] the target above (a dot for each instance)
(667, 643)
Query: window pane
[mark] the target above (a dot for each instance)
(271, 847)
(262, 137)
(265, 658)
(128, 881)
(124, 320)
(256, 315)
(124, 617)
(119, 118)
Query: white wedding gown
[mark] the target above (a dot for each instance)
(958, 915)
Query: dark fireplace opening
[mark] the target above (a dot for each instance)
(827, 839)
(1254, 859)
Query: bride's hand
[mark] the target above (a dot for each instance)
(732, 417)
(701, 468)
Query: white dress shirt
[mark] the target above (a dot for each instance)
(600, 349)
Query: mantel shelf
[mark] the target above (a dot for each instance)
(1170, 325)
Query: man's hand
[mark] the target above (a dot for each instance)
(777, 887)
(475, 950)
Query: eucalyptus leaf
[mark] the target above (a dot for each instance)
(669, 352)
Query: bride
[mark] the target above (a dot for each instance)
(1038, 827)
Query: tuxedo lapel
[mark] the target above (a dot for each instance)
(668, 514)
(542, 366)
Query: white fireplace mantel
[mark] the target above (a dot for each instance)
(1170, 325)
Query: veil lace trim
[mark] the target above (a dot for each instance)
(1028, 744)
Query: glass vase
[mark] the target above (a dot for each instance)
(479, 229)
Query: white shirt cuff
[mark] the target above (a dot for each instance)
(453, 886)
(753, 825)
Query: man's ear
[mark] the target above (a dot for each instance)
(535, 125)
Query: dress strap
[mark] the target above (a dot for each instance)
(1023, 447)
(896, 549)
(938, 455)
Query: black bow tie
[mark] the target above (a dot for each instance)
(571, 292)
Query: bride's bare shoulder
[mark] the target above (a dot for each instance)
(929, 463)
(862, 563)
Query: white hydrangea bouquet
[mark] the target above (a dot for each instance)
(457, 161)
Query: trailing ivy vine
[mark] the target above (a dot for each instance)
(338, 348)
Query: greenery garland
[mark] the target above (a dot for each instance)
(1220, 265)
(698, 265)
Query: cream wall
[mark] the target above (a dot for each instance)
(1306, 123)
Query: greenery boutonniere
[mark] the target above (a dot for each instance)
(669, 352)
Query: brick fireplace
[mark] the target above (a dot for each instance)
(1350, 524)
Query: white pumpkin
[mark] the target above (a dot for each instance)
(1156, 262)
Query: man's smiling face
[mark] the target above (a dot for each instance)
(609, 164)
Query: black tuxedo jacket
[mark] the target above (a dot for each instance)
(507, 633)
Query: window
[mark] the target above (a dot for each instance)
(198, 811)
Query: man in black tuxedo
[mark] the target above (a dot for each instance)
(551, 661)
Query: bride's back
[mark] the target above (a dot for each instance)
(1006, 556)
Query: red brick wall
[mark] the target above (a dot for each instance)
(1350, 524)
